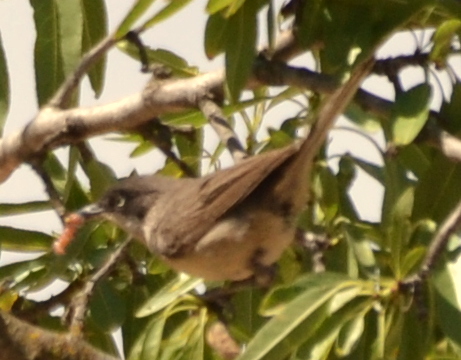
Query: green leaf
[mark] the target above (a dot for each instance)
(149, 342)
(137, 10)
(101, 176)
(214, 6)
(320, 344)
(415, 158)
(180, 285)
(49, 72)
(24, 240)
(216, 34)
(409, 114)
(448, 297)
(443, 41)
(24, 208)
(169, 10)
(361, 247)
(241, 48)
(70, 20)
(449, 112)
(375, 171)
(24, 273)
(295, 321)
(94, 30)
(445, 174)
(349, 335)
(4, 88)
(175, 63)
(107, 307)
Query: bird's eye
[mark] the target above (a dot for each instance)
(120, 202)
(115, 201)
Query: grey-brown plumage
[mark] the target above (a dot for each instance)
(226, 225)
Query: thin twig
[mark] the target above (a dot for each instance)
(62, 97)
(439, 241)
(160, 135)
(55, 198)
(219, 123)
(78, 306)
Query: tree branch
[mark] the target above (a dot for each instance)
(55, 127)
(218, 121)
(16, 343)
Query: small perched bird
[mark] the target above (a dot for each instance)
(231, 224)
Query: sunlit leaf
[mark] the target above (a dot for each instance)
(175, 63)
(216, 33)
(214, 6)
(449, 300)
(4, 88)
(169, 10)
(410, 113)
(49, 72)
(299, 319)
(24, 240)
(177, 287)
(70, 33)
(443, 40)
(94, 30)
(24, 208)
(240, 48)
(137, 10)
(349, 335)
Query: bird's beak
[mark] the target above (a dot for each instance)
(90, 211)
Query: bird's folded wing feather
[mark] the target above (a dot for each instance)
(207, 200)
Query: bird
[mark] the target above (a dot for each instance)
(232, 224)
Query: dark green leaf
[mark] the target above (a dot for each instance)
(448, 304)
(24, 208)
(216, 34)
(409, 114)
(175, 63)
(24, 240)
(450, 111)
(107, 307)
(4, 88)
(375, 171)
(94, 30)
(415, 158)
(49, 72)
(241, 48)
(441, 181)
(101, 176)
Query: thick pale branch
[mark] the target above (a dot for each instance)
(22, 341)
(54, 127)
